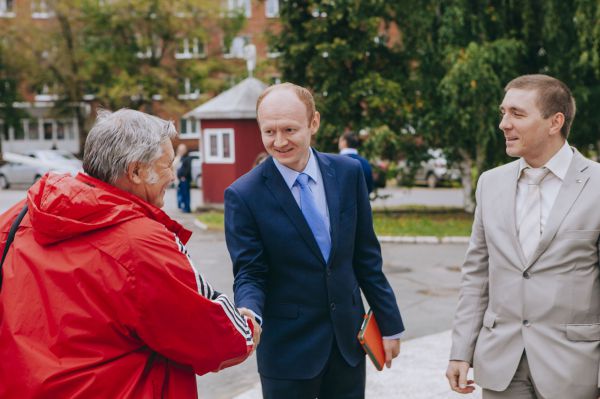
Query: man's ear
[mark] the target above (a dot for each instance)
(315, 123)
(556, 123)
(134, 172)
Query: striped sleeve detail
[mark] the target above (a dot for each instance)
(205, 289)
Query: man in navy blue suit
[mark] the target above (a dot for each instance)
(348, 144)
(299, 230)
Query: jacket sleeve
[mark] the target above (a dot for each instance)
(473, 297)
(179, 314)
(367, 265)
(247, 253)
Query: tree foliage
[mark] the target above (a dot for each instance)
(438, 81)
(121, 53)
(340, 50)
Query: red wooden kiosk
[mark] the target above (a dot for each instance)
(230, 137)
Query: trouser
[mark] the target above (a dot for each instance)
(522, 386)
(338, 380)
(183, 195)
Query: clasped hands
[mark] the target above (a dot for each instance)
(257, 328)
(391, 347)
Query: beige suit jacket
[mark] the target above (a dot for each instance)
(548, 306)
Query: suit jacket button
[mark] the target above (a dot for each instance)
(526, 323)
(332, 305)
(526, 274)
(328, 272)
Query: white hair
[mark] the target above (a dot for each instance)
(119, 138)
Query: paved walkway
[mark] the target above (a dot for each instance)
(418, 373)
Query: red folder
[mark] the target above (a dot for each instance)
(369, 337)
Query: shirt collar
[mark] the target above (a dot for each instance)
(345, 151)
(558, 164)
(290, 175)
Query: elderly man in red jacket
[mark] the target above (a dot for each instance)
(99, 296)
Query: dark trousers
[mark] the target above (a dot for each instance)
(338, 380)
(183, 195)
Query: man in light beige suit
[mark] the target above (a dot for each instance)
(528, 316)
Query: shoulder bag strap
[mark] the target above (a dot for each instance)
(11, 237)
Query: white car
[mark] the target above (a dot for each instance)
(27, 168)
(431, 172)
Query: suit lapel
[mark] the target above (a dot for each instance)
(332, 194)
(575, 179)
(504, 202)
(276, 184)
(511, 212)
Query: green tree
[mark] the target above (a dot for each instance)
(11, 67)
(121, 54)
(341, 51)
(465, 51)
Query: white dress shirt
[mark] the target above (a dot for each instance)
(550, 185)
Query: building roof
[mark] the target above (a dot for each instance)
(239, 102)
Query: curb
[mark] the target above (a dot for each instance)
(423, 240)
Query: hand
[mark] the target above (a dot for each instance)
(457, 377)
(391, 347)
(257, 328)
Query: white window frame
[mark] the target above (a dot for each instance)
(234, 5)
(188, 94)
(5, 12)
(42, 122)
(218, 158)
(241, 41)
(46, 94)
(190, 50)
(152, 50)
(274, 6)
(40, 135)
(194, 133)
(40, 9)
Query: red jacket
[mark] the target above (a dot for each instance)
(101, 300)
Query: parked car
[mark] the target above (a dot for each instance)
(58, 158)
(196, 168)
(433, 171)
(27, 168)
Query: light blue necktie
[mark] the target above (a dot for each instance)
(312, 215)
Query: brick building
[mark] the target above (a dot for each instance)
(40, 128)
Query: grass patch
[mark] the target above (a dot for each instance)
(423, 224)
(214, 220)
(398, 223)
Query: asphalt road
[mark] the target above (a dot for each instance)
(424, 277)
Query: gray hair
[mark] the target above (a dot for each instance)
(119, 138)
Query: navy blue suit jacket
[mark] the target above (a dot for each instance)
(366, 170)
(281, 275)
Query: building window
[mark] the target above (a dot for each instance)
(235, 6)
(7, 8)
(236, 49)
(45, 93)
(188, 90)
(31, 127)
(272, 53)
(48, 130)
(41, 9)
(189, 127)
(188, 49)
(148, 48)
(272, 8)
(219, 146)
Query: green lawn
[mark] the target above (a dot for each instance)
(440, 224)
(410, 223)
